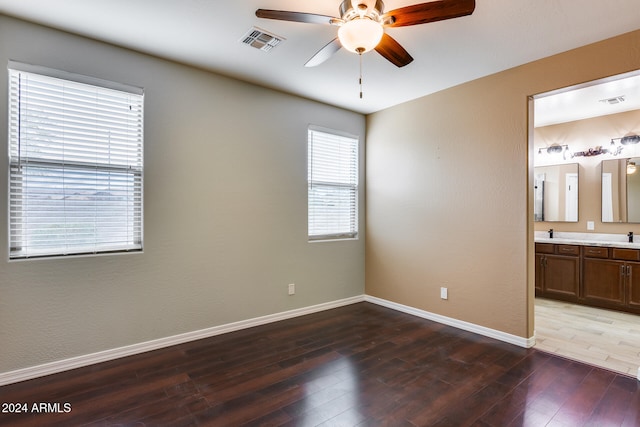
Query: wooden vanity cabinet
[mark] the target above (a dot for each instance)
(541, 250)
(603, 282)
(558, 271)
(606, 277)
(539, 275)
(633, 287)
(613, 282)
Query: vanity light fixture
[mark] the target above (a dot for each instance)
(626, 140)
(630, 139)
(631, 167)
(613, 148)
(555, 149)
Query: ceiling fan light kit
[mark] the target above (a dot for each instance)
(362, 25)
(360, 35)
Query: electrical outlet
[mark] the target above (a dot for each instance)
(292, 288)
(444, 293)
(590, 225)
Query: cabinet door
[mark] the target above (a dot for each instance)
(561, 277)
(633, 286)
(603, 282)
(539, 270)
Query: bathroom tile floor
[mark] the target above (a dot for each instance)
(604, 338)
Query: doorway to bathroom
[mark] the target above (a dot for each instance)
(585, 146)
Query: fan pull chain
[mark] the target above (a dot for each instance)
(360, 51)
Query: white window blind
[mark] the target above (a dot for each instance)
(332, 185)
(76, 167)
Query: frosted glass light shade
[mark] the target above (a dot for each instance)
(360, 35)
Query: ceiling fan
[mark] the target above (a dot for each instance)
(362, 23)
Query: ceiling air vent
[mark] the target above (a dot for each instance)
(614, 100)
(261, 39)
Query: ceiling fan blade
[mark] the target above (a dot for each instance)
(325, 53)
(428, 12)
(283, 15)
(392, 51)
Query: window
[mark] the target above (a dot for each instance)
(75, 164)
(332, 185)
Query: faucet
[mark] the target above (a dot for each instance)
(630, 236)
(551, 233)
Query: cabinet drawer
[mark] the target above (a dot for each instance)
(626, 254)
(569, 249)
(544, 248)
(596, 252)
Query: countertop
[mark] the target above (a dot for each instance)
(588, 239)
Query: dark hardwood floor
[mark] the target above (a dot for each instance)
(360, 365)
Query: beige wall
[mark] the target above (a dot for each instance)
(448, 195)
(225, 204)
(581, 135)
(225, 213)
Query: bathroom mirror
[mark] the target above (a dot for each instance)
(621, 190)
(556, 193)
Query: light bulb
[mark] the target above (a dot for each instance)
(360, 35)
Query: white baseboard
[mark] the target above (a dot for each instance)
(460, 324)
(116, 353)
(130, 350)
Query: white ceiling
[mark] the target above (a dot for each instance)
(592, 99)
(500, 34)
